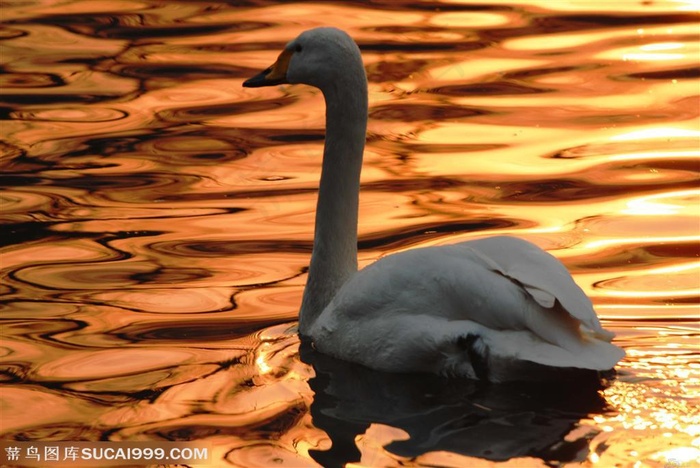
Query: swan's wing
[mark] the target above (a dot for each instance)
(544, 277)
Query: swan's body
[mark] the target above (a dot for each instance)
(493, 308)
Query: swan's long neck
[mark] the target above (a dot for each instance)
(334, 257)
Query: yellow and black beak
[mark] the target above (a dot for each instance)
(274, 75)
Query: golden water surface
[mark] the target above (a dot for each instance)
(158, 220)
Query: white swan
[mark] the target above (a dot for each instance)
(496, 309)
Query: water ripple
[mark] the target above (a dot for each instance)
(158, 221)
(70, 115)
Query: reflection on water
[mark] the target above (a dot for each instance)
(158, 222)
(428, 415)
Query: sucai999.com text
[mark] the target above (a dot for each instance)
(95, 453)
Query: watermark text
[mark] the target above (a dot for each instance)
(82, 453)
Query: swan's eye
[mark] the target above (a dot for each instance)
(297, 48)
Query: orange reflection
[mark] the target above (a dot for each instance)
(610, 242)
(261, 360)
(663, 46)
(650, 205)
(161, 213)
(680, 456)
(651, 56)
(657, 132)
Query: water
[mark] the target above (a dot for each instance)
(158, 221)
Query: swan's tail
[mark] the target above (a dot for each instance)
(599, 334)
(499, 355)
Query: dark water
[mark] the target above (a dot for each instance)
(158, 219)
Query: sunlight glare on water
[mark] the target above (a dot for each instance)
(158, 222)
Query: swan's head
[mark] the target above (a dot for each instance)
(320, 57)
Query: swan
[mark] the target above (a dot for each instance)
(495, 309)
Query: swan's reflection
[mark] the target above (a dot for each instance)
(490, 421)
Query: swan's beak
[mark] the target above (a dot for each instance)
(274, 75)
